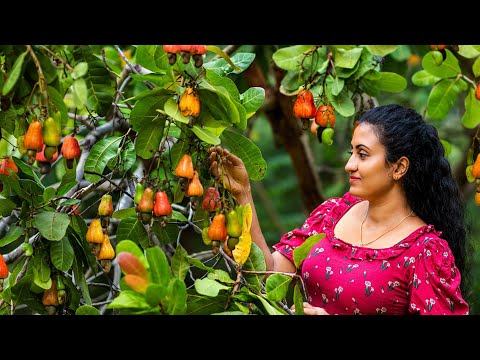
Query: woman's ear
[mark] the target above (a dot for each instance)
(400, 168)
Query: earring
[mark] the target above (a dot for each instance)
(395, 177)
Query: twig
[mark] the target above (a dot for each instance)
(110, 181)
(41, 78)
(134, 70)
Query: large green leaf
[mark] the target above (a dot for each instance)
(347, 58)
(277, 286)
(220, 83)
(342, 103)
(100, 155)
(223, 68)
(132, 229)
(301, 252)
(218, 102)
(290, 58)
(442, 98)
(41, 266)
(145, 110)
(101, 89)
(149, 138)
(180, 263)
(80, 280)
(448, 69)
(126, 159)
(52, 225)
(175, 301)
(159, 267)
(152, 57)
(14, 74)
(68, 182)
(255, 262)
(252, 99)
(220, 275)
(61, 254)
(124, 213)
(381, 50)
(387, 81)
(471, 116)
(6, 207)
(209, 287)
(424, 78)
(87, 310)
(129, 299)
(12, 234)
(245, 149)
(206, 135)
(171, 109)
(205, 305)
(335, 84)
(468, 51)
(80, 93)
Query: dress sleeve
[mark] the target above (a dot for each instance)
(313, 225)
(435, 287)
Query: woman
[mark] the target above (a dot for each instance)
(394, 242)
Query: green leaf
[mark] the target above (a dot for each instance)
(178, 216)
(290, 58)
(145, 110)
(347, 58)
(218, 101)
(476, 68)
(223, 55)
(41, 266)
(381, 50)
(269, 308)
(131, 247)
(471, 116)
(152, 57)
(165, 234)
(424, 78)
(298, 300)
(449, 68)
(245, 149)
(468, 51)
(160, 80)
(336, 84)
(209, 287)
(132, 229)
(58, 105)
(159, 267)
(301, 252)
(80, 70)
(80, 280)
(70, 202)
(129, 299)
(52, 225)
(154, 294)
(68, 181)
(205, 305)
(447, 147)
(124, 213)
(61, 254)
(223, 68)
(7, 120)
(100, 86)
(87, 310)
(49, 194)
(12, 234)
(27, 170)
(206, 135)
(442, 98)
(277, 286)
(14, 74)
(401, 53)
(387, 81)
(149, 138)
(6, 207)
(176, 300)
(255, 262)
(125, 161)
(100, 154)
(80, 93)
(220, 275)
(252, 99)
(180, 264)
(198, 264)
(342, 103)
(171, 109)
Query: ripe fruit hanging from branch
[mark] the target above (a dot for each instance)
(33, 140)
(184, 170)
(190, 104)
(162, 207)
(95, 236)
(70, 150)
(145, 206)
(477, 92)
(194, 187)
(3, 271)
(211, 201)
(50, 298)
(106, 254)
(304, 107)
(105, 210)
(325, 116)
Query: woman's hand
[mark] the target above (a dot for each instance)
(235, 175)
(311, 310)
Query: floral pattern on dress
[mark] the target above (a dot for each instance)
(415, 276)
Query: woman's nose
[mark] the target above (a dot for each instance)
(351, 165)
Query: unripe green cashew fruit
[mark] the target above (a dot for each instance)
(327, 135)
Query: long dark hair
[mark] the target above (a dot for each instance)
(431, 190)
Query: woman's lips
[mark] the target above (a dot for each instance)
(353, 178)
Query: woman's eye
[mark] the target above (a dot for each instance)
(350, 152)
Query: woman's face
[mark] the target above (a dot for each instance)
(369, 173)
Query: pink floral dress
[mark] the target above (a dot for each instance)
(415, 276)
